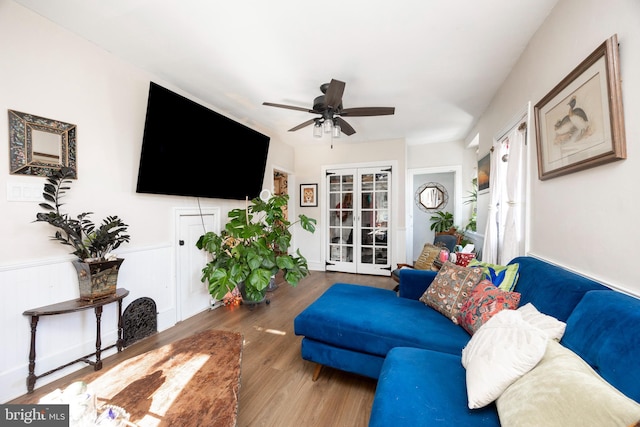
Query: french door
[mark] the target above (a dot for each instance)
(359, 215)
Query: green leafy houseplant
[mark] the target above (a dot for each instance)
(90, 242)
(252, 248)
(442, 221)
(472, 199)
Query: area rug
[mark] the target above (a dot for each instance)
(191, 382)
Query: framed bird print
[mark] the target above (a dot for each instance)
(580, 122)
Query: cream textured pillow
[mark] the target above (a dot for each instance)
(500, 352)
(563, 390)
(552, 326)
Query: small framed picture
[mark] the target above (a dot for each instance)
(484, 173)
(308, 195)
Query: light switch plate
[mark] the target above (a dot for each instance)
(24, 192)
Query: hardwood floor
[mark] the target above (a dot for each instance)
(276, 388)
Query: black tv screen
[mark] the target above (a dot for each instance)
(190, 150)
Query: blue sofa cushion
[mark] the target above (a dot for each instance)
(425, 388)
(551, 289)
(374, 320)
(604, 330)
(413, 283)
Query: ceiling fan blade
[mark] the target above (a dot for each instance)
(333, 97)
(368, 111)
(345, 127)
(301, 125)
(289, 107)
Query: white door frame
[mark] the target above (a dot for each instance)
(409, 198)
(395, 201)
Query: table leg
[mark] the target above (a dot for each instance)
(31, 379)
(98, 364)
(120, 342)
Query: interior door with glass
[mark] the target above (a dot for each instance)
(340, 254)
(358, 223)
(372, 246)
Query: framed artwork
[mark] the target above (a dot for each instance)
(484, 173)
(308, 194)
(580, 123)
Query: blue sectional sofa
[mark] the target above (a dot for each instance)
(415, 352)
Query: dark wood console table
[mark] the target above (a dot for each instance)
(72, 306)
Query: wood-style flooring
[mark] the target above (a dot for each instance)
(276, 388)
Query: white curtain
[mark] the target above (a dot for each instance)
(513, 197)
(491, 235)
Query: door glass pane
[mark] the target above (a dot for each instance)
(341, 211)
(381, 256)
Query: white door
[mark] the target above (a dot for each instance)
(373, 246)
(192, 294)
(342, 220)
(359, 220)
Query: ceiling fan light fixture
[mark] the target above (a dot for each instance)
(336, 129)
(317, 130)
(327, 126)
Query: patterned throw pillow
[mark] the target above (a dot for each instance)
(503, 276)
(484, 301)
(427, 257)
(463, 258)
(450, 289)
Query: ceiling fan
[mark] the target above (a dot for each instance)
(329, 107)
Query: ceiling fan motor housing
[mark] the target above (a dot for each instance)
(319, 105)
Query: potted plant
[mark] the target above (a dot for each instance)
(93, 244)
(252, 248)
(441, 222)
(472, 199)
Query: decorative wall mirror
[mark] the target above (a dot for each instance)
(431, 197)
(39, 146)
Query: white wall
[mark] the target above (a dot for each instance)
(585, 220)
(318, 154)
(49, 72)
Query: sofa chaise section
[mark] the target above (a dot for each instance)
(352, 328)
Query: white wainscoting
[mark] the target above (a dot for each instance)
(147, 272)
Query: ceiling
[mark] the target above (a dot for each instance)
(439, 63)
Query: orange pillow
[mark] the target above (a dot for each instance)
(485, 300)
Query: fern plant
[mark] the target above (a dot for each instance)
(90, 242)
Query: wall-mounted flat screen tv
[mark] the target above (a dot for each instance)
(191, 150)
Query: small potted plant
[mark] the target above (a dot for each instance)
(442, 222)
(253, 247)
(93, 244)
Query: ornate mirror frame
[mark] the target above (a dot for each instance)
(431, 197)
(38, 146)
